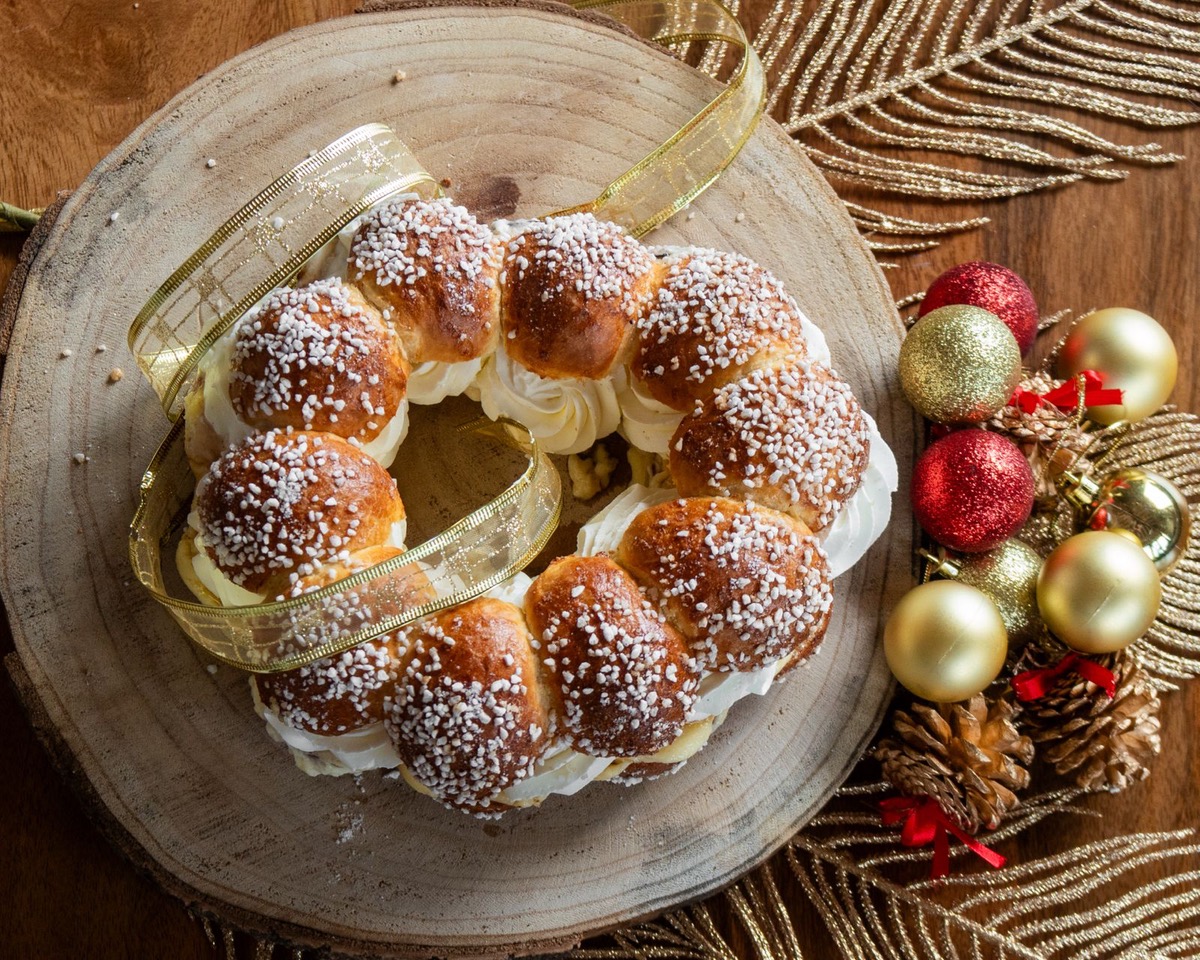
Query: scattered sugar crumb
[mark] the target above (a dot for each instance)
(277, 223)
(101, 347)
(399, 76)
(114, 216)
(115, 375)
(739, 218)
(691, 215)
(66, 352)
(80, 457)
(212, 669)
(210, 162)
(351, 822)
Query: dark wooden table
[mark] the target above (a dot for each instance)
(78, 76)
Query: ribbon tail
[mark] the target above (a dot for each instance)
(941, 853)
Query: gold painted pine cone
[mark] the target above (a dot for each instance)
(967, 756)
(1101, 744)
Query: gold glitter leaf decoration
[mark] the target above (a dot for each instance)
(887, 96)
(877, 903)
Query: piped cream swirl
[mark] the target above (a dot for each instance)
(567, 416)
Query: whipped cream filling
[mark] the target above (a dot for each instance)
(567, 416)
(217, 367)
(434, 380)
(231, 594)
(369, 748)
(865, 516)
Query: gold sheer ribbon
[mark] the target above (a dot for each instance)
(267, 242)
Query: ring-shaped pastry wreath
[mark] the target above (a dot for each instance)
(614, 666)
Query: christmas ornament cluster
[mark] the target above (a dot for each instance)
(1043, 563)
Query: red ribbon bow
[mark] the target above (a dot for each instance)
(1035, 684)
(925, 821)
(1066, 395)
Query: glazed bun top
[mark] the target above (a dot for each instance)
(274, 508)
(433, 269)
(792, 437)
(746, 585)
(317, 358)
(573, 286)
(345, 692)
(625, 677)
(469, 715)
(715, 314)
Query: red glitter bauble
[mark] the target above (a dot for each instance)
(993, 287)
(972, 490)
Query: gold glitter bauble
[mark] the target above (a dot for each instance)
(959, 364)
(1098, 591)
(1131, 351)
(945, 641)
(1148, 506)
(1008, 576)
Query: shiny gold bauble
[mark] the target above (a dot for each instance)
(1133, 354)
(1098, 591)
(945, 641)
(959, 364)
(1008, 576)
(1149, 507)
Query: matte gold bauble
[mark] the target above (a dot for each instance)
(945, 641)
(1148, 506)
(1133, 354)
(959, 364)
(1008, 576)
(1098, 591)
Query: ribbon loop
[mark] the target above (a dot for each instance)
(1066, 396)
(1035, 684)
(926, 822)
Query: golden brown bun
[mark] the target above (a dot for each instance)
(624, 676)
(572, 287)
(470, 716)
(746, 585)
(433, 269)
(318, 358)
(792, 438)
(714, 314)
(275, 507)
(346, 692)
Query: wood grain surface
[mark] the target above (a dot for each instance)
(80, 76)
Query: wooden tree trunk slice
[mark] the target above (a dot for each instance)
(525, 110)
